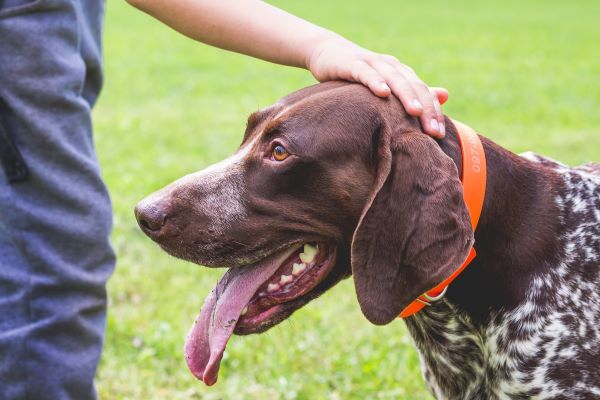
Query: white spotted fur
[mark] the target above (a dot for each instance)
(489, 362)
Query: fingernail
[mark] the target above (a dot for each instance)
(434, 125)
(442, 129)
(385, 87)
(417, 104)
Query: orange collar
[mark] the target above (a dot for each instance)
(473, 181)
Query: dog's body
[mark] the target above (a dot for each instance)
(546, 345)
(522, 321)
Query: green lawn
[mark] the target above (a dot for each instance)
(524, 73)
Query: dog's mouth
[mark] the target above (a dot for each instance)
(296, 276)
(253, 298)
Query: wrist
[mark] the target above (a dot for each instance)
(318, 44)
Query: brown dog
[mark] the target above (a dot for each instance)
(331, 182)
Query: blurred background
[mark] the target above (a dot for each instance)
(524, 73)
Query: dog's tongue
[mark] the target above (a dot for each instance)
(208, 337)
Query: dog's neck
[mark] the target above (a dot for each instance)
(518, 225)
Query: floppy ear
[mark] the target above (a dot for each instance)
(414, 230)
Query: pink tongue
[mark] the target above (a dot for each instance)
(208, 337)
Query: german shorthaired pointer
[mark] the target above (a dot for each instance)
(332, 182)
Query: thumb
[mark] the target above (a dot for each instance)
(441, 93)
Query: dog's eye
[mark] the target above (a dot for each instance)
(280, 153)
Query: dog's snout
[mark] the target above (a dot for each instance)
(151, 217)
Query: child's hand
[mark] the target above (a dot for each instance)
(341, 59)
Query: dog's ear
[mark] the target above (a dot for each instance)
(414, 230)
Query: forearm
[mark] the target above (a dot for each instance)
(250, 27)
(260, 30)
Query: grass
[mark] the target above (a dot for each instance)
(524, 73)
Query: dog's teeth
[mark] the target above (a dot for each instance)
(298, 268)
(309, 253)
(244, 311)
(272, 287)
(285, 279)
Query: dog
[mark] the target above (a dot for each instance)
(333, 182)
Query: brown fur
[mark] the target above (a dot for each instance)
(356, 157)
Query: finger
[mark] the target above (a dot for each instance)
(439, 115)
(431, 116)
(401, 88)
(368, 76)
(441, 93)
(432, 120)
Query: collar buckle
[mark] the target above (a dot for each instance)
(427, 299)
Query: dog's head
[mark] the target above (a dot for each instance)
(329, 182)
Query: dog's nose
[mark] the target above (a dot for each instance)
(150, 217)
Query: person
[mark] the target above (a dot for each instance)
(55, 212)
